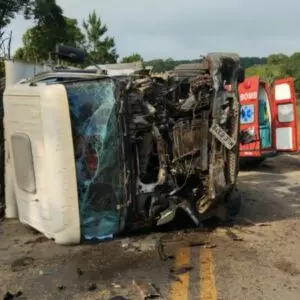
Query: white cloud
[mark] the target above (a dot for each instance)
(189, 28)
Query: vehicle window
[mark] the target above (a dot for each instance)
(98, 155)
(49, 80)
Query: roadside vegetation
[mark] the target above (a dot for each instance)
(93, 35)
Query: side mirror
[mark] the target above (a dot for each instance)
(71, 54)
(240, 75)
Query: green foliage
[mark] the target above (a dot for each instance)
(161, 65)
(53, 28)
(8, 10)
(46, 12)
(247, 62)
(278, 66)
(267, 72)
(277, 59)
(132, 58)
(41, 40)
(101, 49)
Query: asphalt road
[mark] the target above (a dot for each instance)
(257, 258)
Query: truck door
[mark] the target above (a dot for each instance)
(249, 125)
(285, 116)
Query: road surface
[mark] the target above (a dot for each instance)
(257, 258)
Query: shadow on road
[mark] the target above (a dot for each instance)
(280, 164)
(271, 191)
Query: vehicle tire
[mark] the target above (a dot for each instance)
(251, 163)
(233, 204)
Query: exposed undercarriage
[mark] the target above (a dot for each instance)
(174, 157)
(147, 146)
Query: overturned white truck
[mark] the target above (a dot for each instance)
(93, 155)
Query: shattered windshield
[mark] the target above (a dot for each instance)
(97, 148)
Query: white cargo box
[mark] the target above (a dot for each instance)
(41, 160)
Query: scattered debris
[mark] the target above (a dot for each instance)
(233, 236)
(147, 290)
(174, 277)
(79, 272)
(125, 243)
(210, 246)
(38, 240)
(202, 244)
(147, 243)
(45, 273)
(61, 287)
(115, 286)
(21, 263)
(171, 257)
(196, 244)
(263, 224)
(10, 296)
(161, 251)
(287, 267)
(92, 287)
(182, 270)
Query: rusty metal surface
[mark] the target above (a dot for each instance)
(178, 115)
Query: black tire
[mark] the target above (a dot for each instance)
(232, 156)
(234, 203)
(251, 163)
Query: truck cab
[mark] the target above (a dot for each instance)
(268, 119)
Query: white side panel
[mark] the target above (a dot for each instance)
(282, 92)
(42, 114)
(284, 138)
(16, 70)
(285, 112)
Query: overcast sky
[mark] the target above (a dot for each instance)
(189, 28)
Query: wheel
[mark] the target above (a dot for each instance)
(230, 207)
(234, 203)
(251, 163)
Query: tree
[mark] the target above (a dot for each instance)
(46, 12)
(277, 59)
(101, 49)
(248, 62)
(8, 10)
(42, 11)
(291, 68)
(266, 72)
(132, 58)
(41, 39)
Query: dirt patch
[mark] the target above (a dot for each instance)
(287, 267)
(21, 263)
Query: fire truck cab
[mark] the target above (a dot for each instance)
(268, 119)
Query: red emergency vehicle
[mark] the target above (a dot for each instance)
(268, 122)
